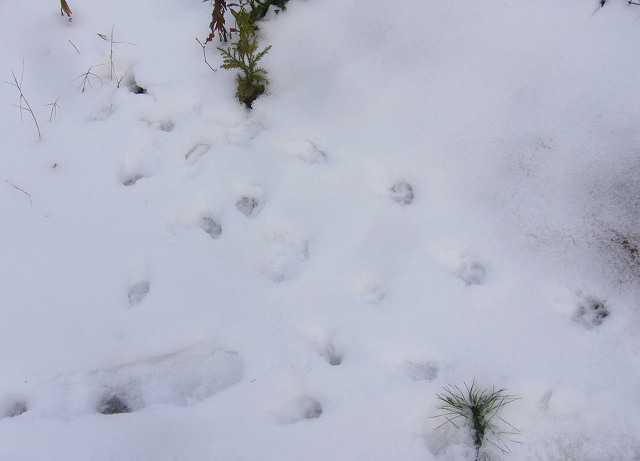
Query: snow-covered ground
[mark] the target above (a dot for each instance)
(431, 193)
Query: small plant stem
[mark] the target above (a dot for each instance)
(18, 85)
(479, 426)
(86, 78)
(24, 192)
(72, 44)
(55, 107)
(204, 52)
(111, 43)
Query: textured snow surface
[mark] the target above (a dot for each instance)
(431, 193)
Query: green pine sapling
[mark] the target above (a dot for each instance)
(479, 408)
(244, 56)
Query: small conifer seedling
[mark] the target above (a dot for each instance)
(252, 79)
(244, 56)
(479, 409)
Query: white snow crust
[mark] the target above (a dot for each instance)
(431, 193)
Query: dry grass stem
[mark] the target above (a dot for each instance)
(111, 43)
(23, 105)
(55, 109)
(86, 79)
(24, 192)
(73, 44)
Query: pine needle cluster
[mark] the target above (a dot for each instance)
(479, 408)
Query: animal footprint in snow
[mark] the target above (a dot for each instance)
(331, 355)
(137, 89)
(163, 125)
(402, 192)
(249, 206)
(300, 409)
(11, 407)
(591, 312)
(283, 256)
(309, 152)
(422, 371)
(211, 227)
(304, 149)
(131, 179)
(138, 292)
(471, 273)
(461, 263)
(543, 402)
(309, 408)
(372, 292)
(114, 405)
(196, 152)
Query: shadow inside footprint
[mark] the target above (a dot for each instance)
(422, 371)
(333, 357)
(131, 180)
(196, 152)
(163, 125)
(591, 312)
(114, 405)
(310, 408)
(248, 206)
(138, 292)
(13, 408)
(471, 273)
(137, 89)
(373, 292)
(301, 409)
(402, 193)
(211, 227)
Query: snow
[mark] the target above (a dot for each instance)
(430, 194)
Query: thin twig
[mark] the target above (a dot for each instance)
(111, 55)
(74, 46)
(25, 192)
(204, 52)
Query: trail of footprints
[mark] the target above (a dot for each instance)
(284, 254)
(182, 378)
(189, 376)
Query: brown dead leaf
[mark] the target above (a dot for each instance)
(65, 7)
